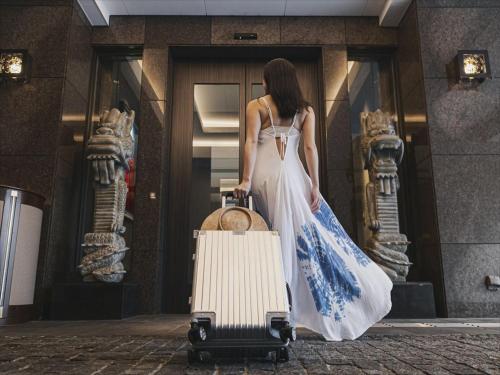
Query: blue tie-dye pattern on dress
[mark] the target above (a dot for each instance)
(326, 217)
(330, 281)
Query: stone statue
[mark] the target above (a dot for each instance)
(383, 151)
(109, 151)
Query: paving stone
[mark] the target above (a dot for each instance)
(454, 353)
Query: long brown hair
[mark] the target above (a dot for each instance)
(283, 86)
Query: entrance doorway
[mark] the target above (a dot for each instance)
(207, 139)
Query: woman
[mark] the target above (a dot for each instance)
(337, 290)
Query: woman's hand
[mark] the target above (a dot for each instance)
(315, 199)
(242, 189)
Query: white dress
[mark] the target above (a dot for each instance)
(337, 290)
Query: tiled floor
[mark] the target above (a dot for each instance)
(157, 345)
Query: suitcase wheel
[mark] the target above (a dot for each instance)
(287, 332)
(197, 333)
(280, 355)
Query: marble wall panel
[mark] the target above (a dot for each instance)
(151, 131)
(146, 256)
(463, 121)
(63, 248)
(37, 119)
(465, 267)
(431, 270)
(37, 2)
(416, 171)
(339, 135)
(128, 30)
(312, 30)
(465, 145)
(458, 3)
(43, 31)
(145, 271)
(366, 31)
(415, 110)
(467, 198)
(146, 210)
(74, 112)
(154, 73)
(334, 62)
(162, 31)
(408, 54)
(444, 31)
(267, 29)
(64, 214)
(29, 172)
(424, 209)
(80, 53)
(29, 117)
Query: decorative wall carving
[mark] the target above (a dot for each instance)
(109, 151)
(383, 151)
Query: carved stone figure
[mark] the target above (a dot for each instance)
(109, 151)
(383, 151)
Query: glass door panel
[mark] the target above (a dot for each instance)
(208, 134)
(117, 78)
(207, 130)
(216, 147)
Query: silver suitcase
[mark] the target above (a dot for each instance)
(240, 301)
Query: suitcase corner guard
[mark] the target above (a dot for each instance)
(279, 327)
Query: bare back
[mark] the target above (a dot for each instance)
(278, 121)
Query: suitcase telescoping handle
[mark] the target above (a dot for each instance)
(247, 201)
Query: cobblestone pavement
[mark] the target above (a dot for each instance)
(54, 352)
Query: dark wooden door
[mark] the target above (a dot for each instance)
(208, 133)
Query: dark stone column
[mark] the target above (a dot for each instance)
(420, 225)
(465, 146)
(147, 258)
(338, 134)
(40, 120)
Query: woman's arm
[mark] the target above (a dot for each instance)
(311, 153)
(252, 133)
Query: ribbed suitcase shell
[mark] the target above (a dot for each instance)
(239, 281)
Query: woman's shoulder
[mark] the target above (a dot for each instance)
(264, 99)
(254, 103)
(259, 100)
(262, 102)
(308, 109)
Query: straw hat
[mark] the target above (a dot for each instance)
(234, 218)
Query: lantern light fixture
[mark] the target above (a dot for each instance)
(14, 65)
(473, 65)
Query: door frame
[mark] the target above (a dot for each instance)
(242, 54)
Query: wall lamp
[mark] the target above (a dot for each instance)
(14, 65)
(473, 65)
